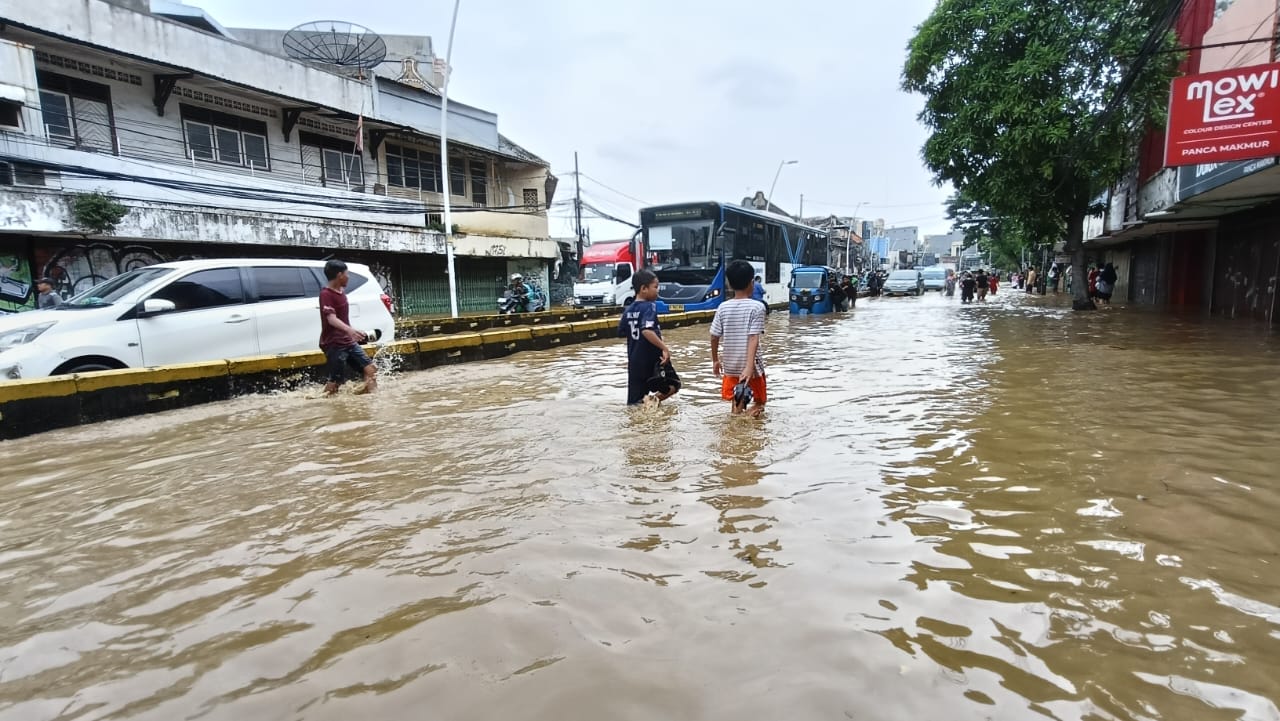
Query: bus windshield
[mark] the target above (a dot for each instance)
(682, 245)
(809, 280)
(598, 273)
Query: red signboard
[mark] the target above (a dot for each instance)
(1226, 115)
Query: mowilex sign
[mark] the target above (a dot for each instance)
(1225, 115)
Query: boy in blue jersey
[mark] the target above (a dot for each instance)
(648, 358)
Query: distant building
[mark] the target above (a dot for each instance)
(941, 245)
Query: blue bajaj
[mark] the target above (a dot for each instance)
(809, 290)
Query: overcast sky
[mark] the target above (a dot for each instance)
(680, 100)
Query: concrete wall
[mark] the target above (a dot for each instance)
(1244, 20)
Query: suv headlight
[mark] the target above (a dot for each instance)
(22, 336)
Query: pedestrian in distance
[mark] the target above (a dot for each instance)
(983, 284)
(339, 341)
(758, 293)
(649, 369)
(737, 331)
(48, 297)
(968, 286)
(1107, 278)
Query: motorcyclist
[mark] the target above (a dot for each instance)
(520, 292)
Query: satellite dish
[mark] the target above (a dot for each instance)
(342, 45)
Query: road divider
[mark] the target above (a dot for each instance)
(36, 405)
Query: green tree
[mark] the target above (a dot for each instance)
(1035, 108)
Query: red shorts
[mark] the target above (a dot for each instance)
(759, 388)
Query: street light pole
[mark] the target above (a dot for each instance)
(444, 164)
(768, 200)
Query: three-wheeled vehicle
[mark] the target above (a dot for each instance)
(810, 289)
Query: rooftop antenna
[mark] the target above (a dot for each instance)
(340, 45)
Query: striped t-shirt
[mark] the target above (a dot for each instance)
(736, 321)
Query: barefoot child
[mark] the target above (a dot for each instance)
(736, 332)
(648, 358)
(339, 341)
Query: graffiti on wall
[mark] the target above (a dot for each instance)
(77, 268)
(17, 284)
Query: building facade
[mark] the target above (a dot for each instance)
(1200, 236)
(219, 146)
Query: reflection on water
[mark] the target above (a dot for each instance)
(1000, 511)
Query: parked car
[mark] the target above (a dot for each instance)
(935, 278)
(184, 312)
(904, 282)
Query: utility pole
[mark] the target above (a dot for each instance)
(577, 206)
(802, 208)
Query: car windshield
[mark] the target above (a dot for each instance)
(935, 275)
(806, 281)
(597, 273)
(903, 275)
(108, 292)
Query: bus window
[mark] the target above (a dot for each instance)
(751, 242)
(774, 256)
(684, 245)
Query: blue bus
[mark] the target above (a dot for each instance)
(688, 246)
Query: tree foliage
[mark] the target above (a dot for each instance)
(1035, 108)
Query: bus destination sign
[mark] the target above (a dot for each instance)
(677, 214)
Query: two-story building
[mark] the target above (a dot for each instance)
(219, 145)
(1200, 236)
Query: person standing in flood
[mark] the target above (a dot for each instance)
(967, 287)
(647, 354)
(983, 284)
(736, 353)
(1031, 280)
(48, 297)
(339, 341)
(1107, 284)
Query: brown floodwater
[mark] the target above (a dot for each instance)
(981, 512)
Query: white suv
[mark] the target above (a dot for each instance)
(186, 311)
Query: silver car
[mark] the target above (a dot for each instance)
(904, 282)
(935, 278)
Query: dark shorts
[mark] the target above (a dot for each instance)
(641, 380)
(344, 357)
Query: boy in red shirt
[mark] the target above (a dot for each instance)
(339, 341)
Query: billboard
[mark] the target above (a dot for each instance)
(1225, 115)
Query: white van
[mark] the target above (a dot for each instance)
(184, 312)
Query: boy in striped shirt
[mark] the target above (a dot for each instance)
(736, 333)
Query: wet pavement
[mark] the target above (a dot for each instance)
(1005, 511)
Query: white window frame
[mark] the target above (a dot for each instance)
(242, 156)
(70, 116)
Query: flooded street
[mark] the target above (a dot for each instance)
(949, 512)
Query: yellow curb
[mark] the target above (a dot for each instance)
(284, 361)
(28, 388)
(448, 342)
(542, 331)
(400, 347)
(508, 335)
(102, 380)
(603, 324)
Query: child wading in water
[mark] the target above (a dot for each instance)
(649, 368)
(736, 334)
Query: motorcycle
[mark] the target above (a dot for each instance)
(510, 303)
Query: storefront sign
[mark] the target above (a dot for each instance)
(1222, 116)
(1196, 179)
